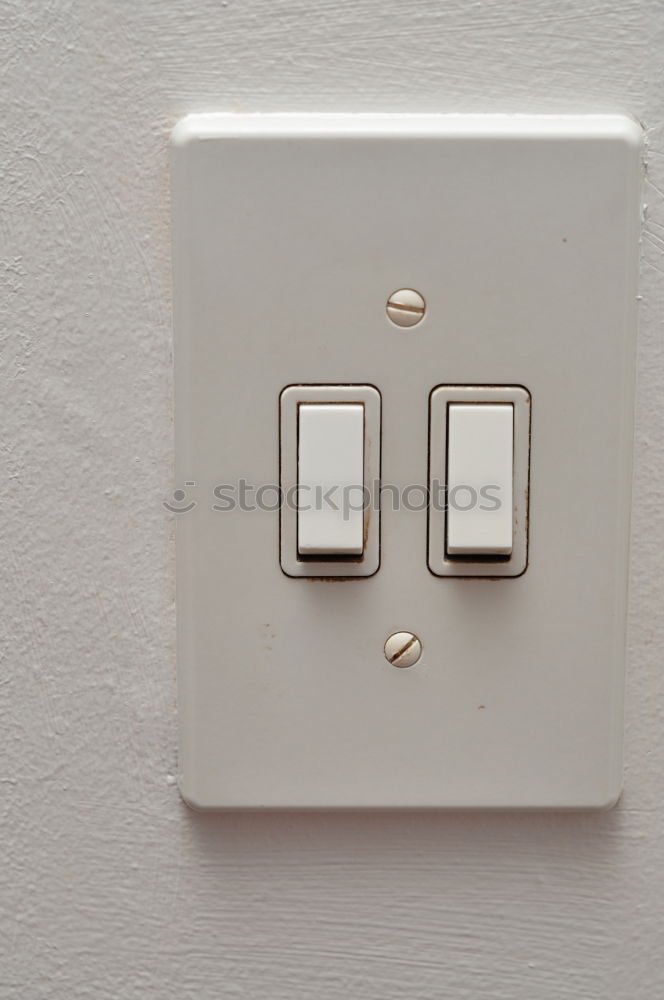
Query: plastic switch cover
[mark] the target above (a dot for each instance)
(520, 233)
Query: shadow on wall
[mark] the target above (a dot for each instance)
(499, 835)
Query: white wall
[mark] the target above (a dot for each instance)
(109, 886)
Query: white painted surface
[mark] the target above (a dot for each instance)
(110, 886)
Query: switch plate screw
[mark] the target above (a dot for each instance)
(406, 307)
(403, 649)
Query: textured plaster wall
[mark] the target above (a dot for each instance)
(109, 886)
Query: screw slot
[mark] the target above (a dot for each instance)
(406, 307)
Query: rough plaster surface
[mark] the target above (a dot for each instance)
(109, 886)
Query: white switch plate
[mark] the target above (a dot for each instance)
(521, 233)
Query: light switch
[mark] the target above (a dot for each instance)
(330, 480)
(479, 479)
(330, 439)
(479, 464)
